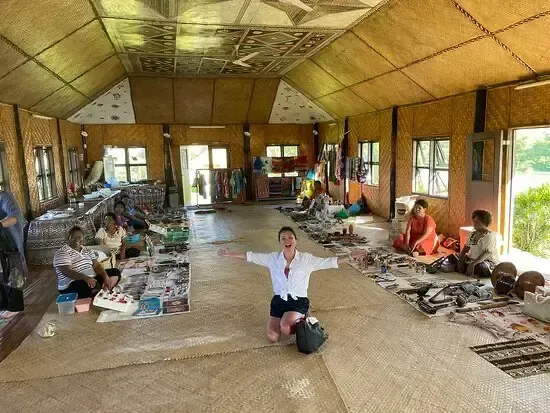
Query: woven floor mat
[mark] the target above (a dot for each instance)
(265, 380)
(397, 364)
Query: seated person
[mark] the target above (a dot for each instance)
(317, 192)
(78, 270)
(111, 238)
(420, 237)
(121, 220)
(480, 254)
(135, 215)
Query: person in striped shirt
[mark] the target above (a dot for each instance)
(79, 271)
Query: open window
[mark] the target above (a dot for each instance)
(45, 173)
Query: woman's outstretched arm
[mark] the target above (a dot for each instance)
(224, 252)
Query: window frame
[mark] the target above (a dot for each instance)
(370, 163)
(127, 165)
(4, 173)
(282, 148)
(75, 175)
(432, 168)
(42, 175)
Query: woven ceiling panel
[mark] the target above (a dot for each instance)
(497, 14)
(60, 102)
(27, 85)
(66, 58)
(153, 99)
(313, 80)
(263, 96)
(345, 103)
(94, 81)
(475, 65)
(391, 89)
(231, 100)
(350, 60)
(193, 101)
(531, 43)
(9, 58)
(408, 30)
(34, 25)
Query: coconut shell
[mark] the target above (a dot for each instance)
(528, 281)
(504, 268)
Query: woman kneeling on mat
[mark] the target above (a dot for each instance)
(290, 271)
(480, 254)
(420, 237)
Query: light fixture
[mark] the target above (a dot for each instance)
(533, 83)
(315, 133)
(247, 133)
(166, 135)
(34, 115)
(84, 133)
(206, 127)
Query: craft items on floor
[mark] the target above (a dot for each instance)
(518, 358)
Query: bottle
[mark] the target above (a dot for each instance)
(350, 229)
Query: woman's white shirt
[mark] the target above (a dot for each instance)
(111, 241)
(300, 270)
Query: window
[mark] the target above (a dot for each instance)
(278, 151)
(4, 181)
(370, 152)
(431, 167)
(130, 163)
(74, 167)
(45, 173)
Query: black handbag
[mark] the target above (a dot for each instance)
(309, 336)
(11, 297)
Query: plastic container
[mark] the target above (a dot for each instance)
(83, 305)
(131, 239)
(65, 303)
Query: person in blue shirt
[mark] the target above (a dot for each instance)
(11, 225)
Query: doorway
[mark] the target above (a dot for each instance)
(529, 238)
(197, 161)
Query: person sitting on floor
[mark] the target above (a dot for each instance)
(121, 220)
(317, 190)
(420, 237)
(290, 272)
(480, 255)
(111, 238)
(135, 215)
(78, 270)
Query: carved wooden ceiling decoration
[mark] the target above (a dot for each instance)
(204, 38)
(345, 56)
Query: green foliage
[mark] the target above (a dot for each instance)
(532, 153)
(532, 221)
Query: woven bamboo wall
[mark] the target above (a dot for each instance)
(8, 137)
(330, 132)
(451, 117)
(71, 138)
(41, 132)
(263, 135)
(374, 127)
(149, 136)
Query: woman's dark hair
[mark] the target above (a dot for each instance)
(422, 202)
(483, 215)
(125, 196)
(111, 214)
(319, 183)
(74, 229)
(120, 203)
(286, 229)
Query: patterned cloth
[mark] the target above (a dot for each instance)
(262, 186)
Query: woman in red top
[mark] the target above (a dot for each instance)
(420, 236)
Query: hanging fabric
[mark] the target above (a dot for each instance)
(362, 172)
